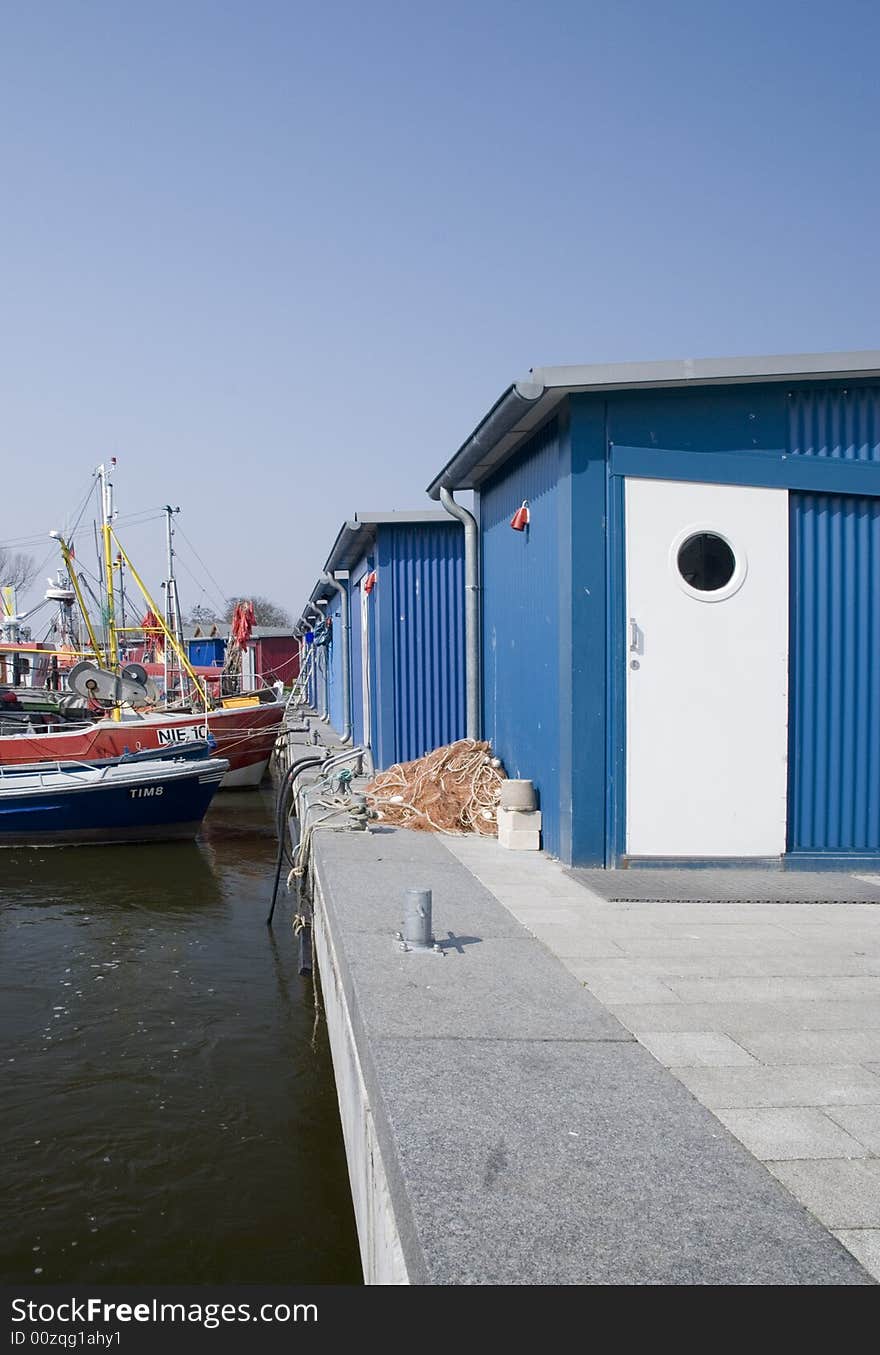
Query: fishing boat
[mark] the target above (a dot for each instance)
(125, 799)
(244, 736)
(122, 708)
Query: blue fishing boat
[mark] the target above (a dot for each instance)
(132, 798)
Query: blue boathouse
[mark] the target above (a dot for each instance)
(395, 580)
(681, 644)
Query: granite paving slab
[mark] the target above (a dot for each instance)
(529, 1162)
(795, 1132)
(805, 1085)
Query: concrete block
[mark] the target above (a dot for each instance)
(519, 830)
(510, 837)
(521, 842)
(520, 818)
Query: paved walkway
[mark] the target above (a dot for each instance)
(502, 1125)
(768, 1013)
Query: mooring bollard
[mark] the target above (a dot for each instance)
(417, 933)
(417, 917)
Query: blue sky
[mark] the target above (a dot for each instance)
(279, 258)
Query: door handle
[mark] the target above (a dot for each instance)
(634, 637)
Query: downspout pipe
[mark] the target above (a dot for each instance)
(342, 590)
(316, 617)
(471, 609)
(325, 685)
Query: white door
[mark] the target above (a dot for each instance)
(707, 669)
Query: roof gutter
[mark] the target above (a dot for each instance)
(518, 400)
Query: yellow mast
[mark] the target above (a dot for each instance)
(169, 638)
(74, 582)
(109, 536)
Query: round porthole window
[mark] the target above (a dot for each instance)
(706, 562)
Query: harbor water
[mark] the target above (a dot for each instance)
(169, 1111)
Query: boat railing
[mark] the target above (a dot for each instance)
(64, 727)
(12, 769)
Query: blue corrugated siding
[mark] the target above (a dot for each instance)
(204, 653)
(420, 679)
(334, 661)
(843, 424)
(521, 622)
(834, 792)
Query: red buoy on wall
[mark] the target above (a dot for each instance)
(520, 519)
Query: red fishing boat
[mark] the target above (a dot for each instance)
(123, 703)
(245, 735)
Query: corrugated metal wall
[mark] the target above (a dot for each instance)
(277, 657)
(421, 595)
(843, 424)
(834, 736)
(834, 794)
(521, 622)
(205, 652)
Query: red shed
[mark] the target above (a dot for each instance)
(275, 655)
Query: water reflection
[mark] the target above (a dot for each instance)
(165, 1116)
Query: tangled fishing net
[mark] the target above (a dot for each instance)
(452, 790)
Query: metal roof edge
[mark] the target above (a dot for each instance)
(355, 536)
(322, 589)
(723, 370)
(349, 533)
(511, 406)
(526, 404)
(402, 517)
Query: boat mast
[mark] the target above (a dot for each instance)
(201, 690)
(121, 567)
(70, 565)
(172, 604)
(107, 515)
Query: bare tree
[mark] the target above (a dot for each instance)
(202, 615)
(16, 569)
(266, 613)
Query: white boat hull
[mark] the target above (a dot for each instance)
(245, 778)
